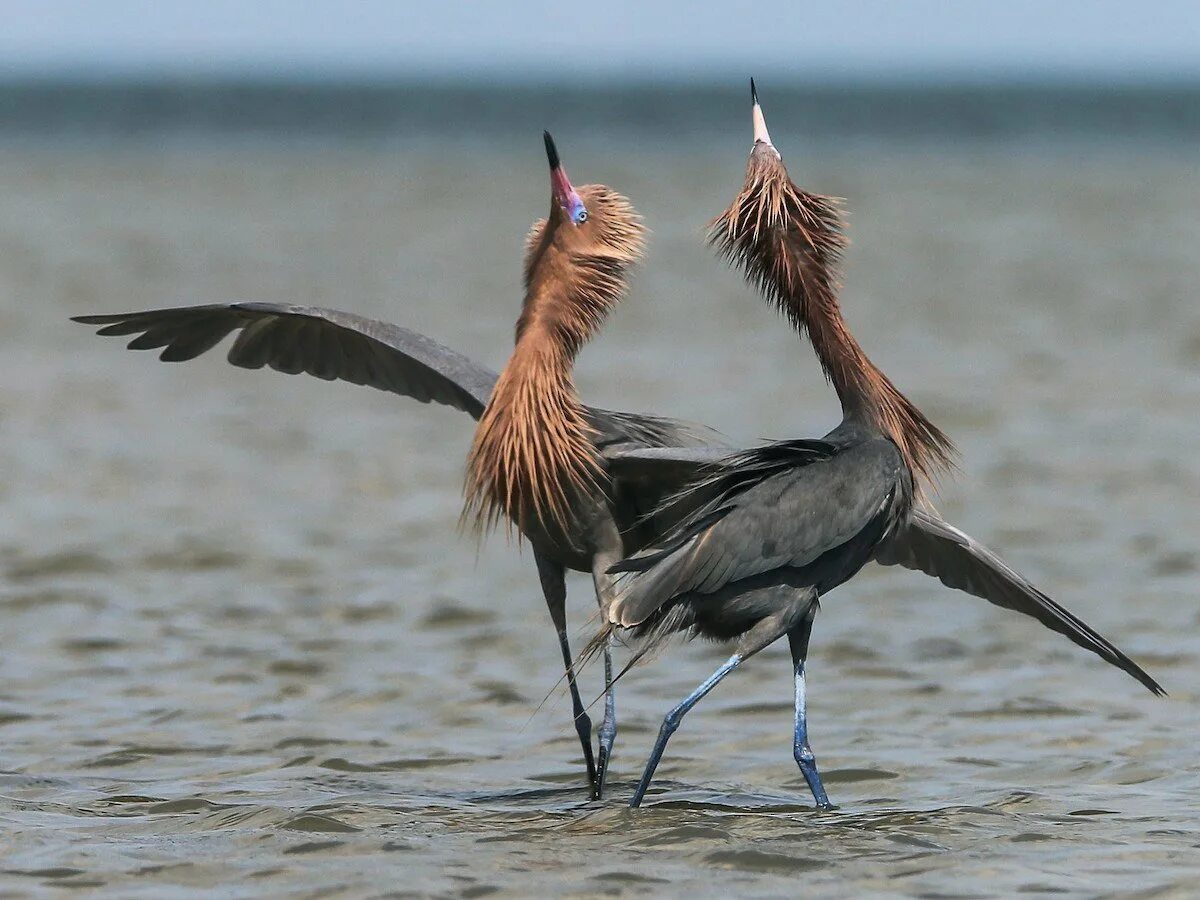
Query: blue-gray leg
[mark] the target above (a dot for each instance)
(608, 728)
(798, 641)
(672, 720)
(554, 587)
(605, 586)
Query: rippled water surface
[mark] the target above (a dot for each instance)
(245, 649)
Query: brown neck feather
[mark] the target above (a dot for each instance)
(789, 244)
(533, 455)
(533, 458)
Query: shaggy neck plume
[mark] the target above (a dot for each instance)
(533, 454)
(533, 457)
(789, 244)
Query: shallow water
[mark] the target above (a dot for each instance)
(246, 651)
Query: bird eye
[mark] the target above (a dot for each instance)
(581, 217)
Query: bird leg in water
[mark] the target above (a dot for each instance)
(608, 728)
(554, 588)
(763, 634)
(672, 720)
(798, 641)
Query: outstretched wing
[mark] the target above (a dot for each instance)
(323, 342)
(779, 506)
(937, 548)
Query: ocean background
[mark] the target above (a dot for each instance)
(246, 649)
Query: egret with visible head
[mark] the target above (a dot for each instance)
(538, 459)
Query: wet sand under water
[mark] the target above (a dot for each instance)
(246, 651)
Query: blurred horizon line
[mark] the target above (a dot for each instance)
(455, 109)
(713, 76)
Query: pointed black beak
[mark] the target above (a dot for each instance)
(560, 185)
(551, 151)
(761, 135)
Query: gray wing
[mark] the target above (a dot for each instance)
(785, 520)
(937, 548)
(323, 342)
(665, 464)
(649, 483)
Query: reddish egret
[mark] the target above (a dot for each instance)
(538, 458)
(773, 529)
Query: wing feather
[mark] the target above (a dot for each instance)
(324, 343)
(784, 505)
(933, 546)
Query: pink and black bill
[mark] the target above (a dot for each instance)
(560, 186)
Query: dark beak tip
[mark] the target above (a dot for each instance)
(753, 93)
(551, 150)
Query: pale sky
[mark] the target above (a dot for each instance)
(672, 39)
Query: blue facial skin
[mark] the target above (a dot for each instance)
(578, 212)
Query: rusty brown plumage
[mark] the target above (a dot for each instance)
(533, 456)
(789, 244)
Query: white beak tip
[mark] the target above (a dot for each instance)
(760, 126)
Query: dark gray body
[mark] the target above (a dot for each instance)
(779, 526)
